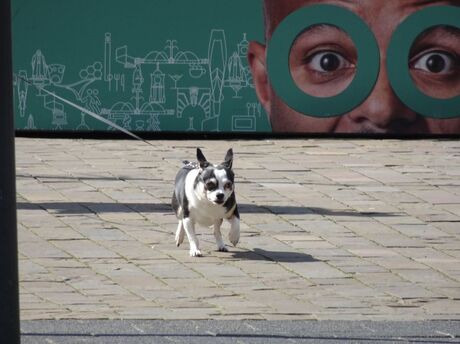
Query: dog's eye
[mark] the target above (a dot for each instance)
(228, 185)
(211, 185)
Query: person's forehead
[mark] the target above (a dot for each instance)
(277, 10)
(281, 8)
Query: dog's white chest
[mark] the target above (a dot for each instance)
(202, 211)
(206, 214)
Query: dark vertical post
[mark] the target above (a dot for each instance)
(9, 289)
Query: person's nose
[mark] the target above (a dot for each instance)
(382, 109)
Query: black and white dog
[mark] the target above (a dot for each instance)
(205, 194)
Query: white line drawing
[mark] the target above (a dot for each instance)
(56, 73)
(117, 78)
(248, 122)
(217, 56)
(176, 78)
(91, 100)
(83, 126)
(196, 103)
(153, 123)
(30, 123)
(193, 97)
(239, 75)
(236, 74)
(243, 48)
(122, 82)
(139, 125)
(39, 71)
(157, 86)
(108, 57)
(126, 122)
(138, 81)
(198, 100)
(190, 124)
(124, 111)
(15, 85)
(168, 56)
(23, 88)
(57, 109)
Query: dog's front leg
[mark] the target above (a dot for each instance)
(180, 233)
(218, 235)
(189, 227)
(234, 234)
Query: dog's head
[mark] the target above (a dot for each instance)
(217, 180)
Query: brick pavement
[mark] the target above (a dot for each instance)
(331, 229)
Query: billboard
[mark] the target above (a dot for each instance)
(261, 66)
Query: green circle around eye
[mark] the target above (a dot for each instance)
(280, 46)
(398, 54)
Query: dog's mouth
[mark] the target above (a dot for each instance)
(219, 201)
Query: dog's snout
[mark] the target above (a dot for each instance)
(219, 198)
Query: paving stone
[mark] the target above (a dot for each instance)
(84, 249)
(350, 229)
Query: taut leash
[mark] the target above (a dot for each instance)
(88, 112)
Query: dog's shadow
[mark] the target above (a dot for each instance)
(274, 256)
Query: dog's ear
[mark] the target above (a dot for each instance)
(228, 160)
(201, 158)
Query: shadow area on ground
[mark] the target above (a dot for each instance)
(68, 208)
(274, 256)
(232, 331)
(224, 338)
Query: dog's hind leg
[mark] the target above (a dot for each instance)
(180, 233)
(218, 235)
(189, 227)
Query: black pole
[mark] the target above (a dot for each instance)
(9, 290)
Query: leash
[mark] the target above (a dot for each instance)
(88, 112)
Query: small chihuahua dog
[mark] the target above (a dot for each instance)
(205, 194)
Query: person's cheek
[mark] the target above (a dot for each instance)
(443, 126)
(284, 119)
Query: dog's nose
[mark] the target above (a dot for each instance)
(220, 197)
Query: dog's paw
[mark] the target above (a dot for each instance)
(195, 253)
(234, 237)
(222, 249)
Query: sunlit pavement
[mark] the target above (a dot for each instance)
(331, 230)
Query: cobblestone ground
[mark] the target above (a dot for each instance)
(331, 229)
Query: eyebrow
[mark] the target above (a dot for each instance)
(351, 2)
(428, 2)
(319, 28)
(452, 31)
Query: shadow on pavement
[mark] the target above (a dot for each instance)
(275, 256)
(228, 331)
(96, 207)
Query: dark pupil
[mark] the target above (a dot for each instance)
(435, 64)
(210, 186)
(330, 62)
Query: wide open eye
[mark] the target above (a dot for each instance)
(437, 62)
(323, 61)
(211, 185)
(228, 185)
(327, 61)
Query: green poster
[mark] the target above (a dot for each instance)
(146, 65)
(305, 66)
